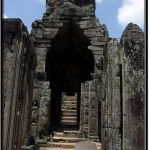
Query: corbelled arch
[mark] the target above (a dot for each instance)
(69, 62)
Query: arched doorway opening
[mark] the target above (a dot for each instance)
(69, 62)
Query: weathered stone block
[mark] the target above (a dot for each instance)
(49, 35)
(52, 24)
(42, 45)
(41, 67)
(95, 48)
(93, 34)
(55, 30)
(52, 20)
(34, 130)
(46, 92)
(89, 23)
(37, 83)
(100, 38)
(41, 57)
(98, 52)
(86, 145)
(40, 51)
(98, 43)
(37, 93)
(37, 32)
(37, 24)
(97, 57)
(49, 9)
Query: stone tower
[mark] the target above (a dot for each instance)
(69, 42)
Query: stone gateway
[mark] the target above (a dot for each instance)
(68, 85)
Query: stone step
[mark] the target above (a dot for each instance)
(51, 148)
(69, 99)
(68, 111)
(67, 139)
(58, 134)
(65, 114)
(69, 107)
(70, 132)
(68, 122)
(76, 132)
(69, 102)
(61, 144)
(61, 135)
(69, 118)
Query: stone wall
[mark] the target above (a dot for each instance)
(122, 92)
(133, 87)
(17, 70)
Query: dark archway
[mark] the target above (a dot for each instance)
(69, 62)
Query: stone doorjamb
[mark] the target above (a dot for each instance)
(89, 110)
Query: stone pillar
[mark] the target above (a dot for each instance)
(85, 101)
(15, 68)
(44, 112)
(28, 97)
(82, 109)
(89, 110)
(132, 61)
(93, 110)
(9, 58)
(40, 110)
(110, 99)
(41, 95)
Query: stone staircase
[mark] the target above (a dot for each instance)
(69, 111)
(62, 140)
(66, 135)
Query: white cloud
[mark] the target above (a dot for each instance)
(5, 16)
(131, 11)
(99, 1)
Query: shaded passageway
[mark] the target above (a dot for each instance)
(69, 62)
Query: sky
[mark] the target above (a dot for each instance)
(115, 14)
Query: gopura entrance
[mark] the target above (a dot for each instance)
(68, 63)
(69, 41)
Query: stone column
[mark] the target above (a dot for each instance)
(133, 88)
(110, 99)
(82, 109)
(89, 110)
(93, 110)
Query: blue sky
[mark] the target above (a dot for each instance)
(116, 14)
